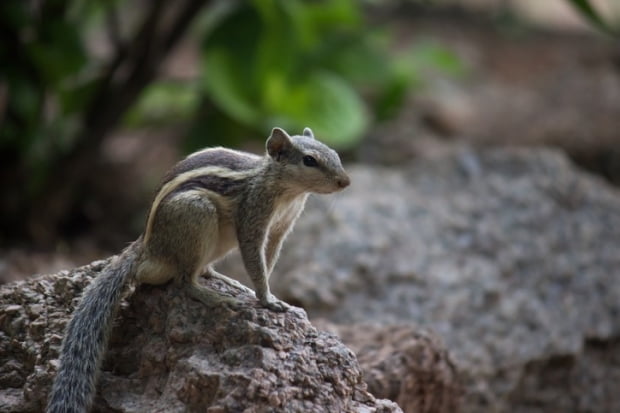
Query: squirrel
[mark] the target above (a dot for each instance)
(214, 200)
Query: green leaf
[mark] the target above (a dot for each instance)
(431, 55)
(318, 21)
(229, 73)
(224, 82)
(393, 95)
(589, 12)
(327, 104)
(164, 103)
(275, 64)
(59, 54)
(361, 60)
(276, 52)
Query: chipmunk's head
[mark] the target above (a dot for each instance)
(306, 163)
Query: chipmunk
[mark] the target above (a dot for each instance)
(209, 203)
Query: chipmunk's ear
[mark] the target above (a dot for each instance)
(278, 143)
(308, 133)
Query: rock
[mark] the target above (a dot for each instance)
(538, 88)
(168, 353)
(404, 364)
(33, 315)
(509, 255)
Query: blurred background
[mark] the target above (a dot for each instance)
(474, 260)
(99, 98)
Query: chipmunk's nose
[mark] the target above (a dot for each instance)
(343, 181)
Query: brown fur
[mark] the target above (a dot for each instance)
(211, 202)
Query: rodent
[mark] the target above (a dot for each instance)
(209, 203)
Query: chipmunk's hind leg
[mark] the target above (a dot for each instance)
(212, 273)
(184, 239)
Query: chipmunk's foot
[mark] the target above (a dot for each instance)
(271, 302)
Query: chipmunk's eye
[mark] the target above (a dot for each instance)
(309, 161)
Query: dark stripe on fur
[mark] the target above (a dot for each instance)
(214, 157)
(223, 186)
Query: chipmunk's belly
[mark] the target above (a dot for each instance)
(227, 239)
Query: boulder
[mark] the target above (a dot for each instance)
(403, 363)
(489, 274)
(509, 255)
(168, 353)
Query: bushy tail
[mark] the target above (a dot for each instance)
(87, 335)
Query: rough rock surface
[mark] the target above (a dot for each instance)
(172, 354)
(509, 255)
(404, 364)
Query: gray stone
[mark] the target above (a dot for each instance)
(510, 255)
(403, 363)
(169, 353)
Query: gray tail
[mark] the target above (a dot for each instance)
(87, 335)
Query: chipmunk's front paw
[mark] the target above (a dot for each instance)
(274, 304)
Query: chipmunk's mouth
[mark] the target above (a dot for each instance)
(343, 181)
(338, 185)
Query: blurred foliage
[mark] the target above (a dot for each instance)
(69, 70)
(293, 63)
(279, 63)
(165, 102)
(42, 72)
(590, 13)
(72, 71)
